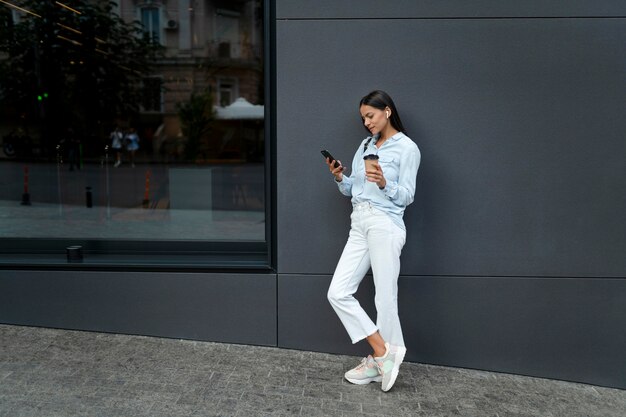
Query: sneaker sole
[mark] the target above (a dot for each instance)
(365, 381)
(396, 369)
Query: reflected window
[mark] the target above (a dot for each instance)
(152, 97)
(142, 151)
(227, 91)
(227, 32)
(150, 19)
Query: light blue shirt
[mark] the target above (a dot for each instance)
(399, 159)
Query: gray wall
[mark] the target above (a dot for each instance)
(231, 308)
(515, 253)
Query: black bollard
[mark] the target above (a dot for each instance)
(89, 197)
(25, 199)
(74, 253)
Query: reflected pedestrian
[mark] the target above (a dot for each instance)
(132, 144)
(117, 138)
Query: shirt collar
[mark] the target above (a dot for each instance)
(391, 139)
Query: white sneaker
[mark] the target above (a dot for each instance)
(365, 372)
(389, 364)
(117, 163)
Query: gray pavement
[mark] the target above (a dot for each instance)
(148, 202)
(48, 372)
(77, 222)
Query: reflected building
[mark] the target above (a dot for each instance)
(210, 46)
(81, 69)
(212, 49)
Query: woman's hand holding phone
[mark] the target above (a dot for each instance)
(334, 165)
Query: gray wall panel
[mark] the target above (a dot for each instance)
(374, 9)
(521, 129)
(520, 123)
(561, 328)
(218, 307)
(307, 321)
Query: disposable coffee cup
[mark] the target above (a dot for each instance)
(370, 162)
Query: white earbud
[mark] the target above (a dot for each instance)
(387, 115)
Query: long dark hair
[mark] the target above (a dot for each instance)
(381, 100)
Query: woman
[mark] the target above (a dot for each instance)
(377, 234)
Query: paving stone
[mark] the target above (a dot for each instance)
(318, 412)
(294, 391)
(370, 394)
(343, 406)
(49, 372)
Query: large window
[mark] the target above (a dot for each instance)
(141, 153)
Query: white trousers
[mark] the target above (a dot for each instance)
(375, 241)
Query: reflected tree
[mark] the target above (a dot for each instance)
(78, 67)
(196, 117)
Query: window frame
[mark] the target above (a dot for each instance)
(170, 255)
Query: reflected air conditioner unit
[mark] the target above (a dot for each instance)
(172, 24)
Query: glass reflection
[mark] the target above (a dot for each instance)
(139, 120)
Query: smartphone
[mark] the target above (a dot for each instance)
(327, 154)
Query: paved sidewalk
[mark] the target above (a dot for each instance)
(47, 372)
